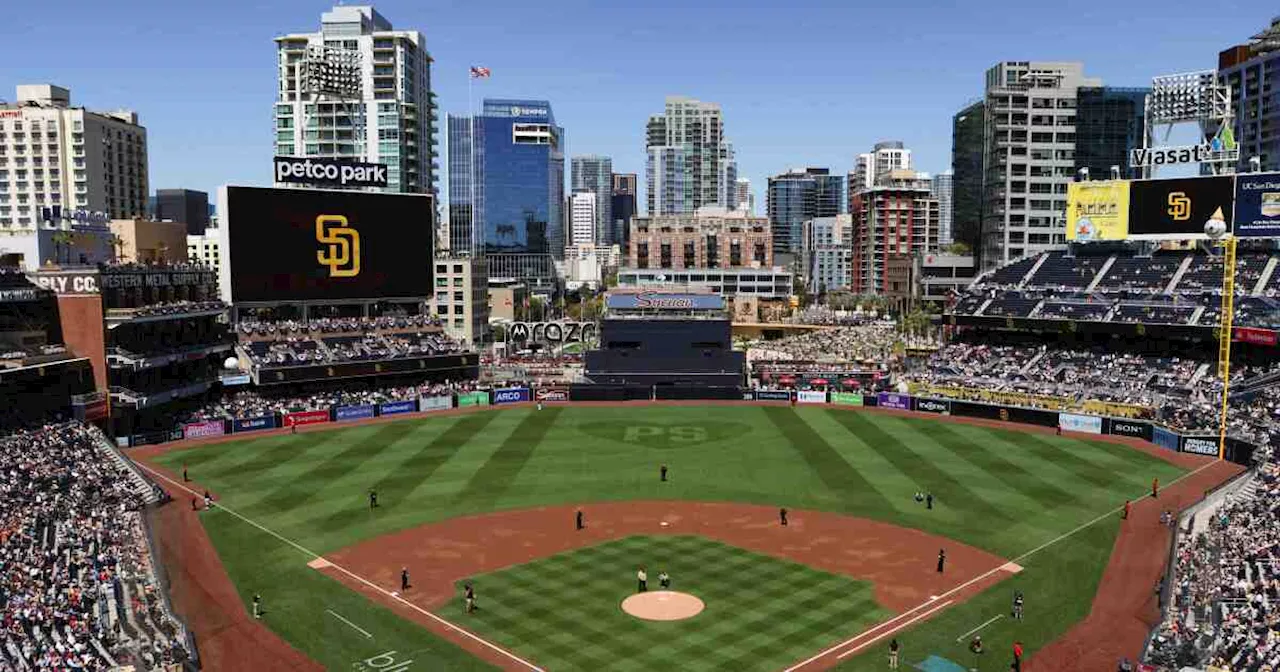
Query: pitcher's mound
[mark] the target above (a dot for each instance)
(663, 605)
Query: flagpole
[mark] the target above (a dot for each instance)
(471, 127)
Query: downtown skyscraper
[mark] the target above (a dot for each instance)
(797, 196)
(506, 189)
(689, 161)
(358, 89)
(595, 174)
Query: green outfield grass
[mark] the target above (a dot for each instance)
(761, 613)
(1001, 490)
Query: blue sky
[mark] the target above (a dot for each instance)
(802, 82)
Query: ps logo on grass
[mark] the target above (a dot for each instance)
(383, 662)
(343, 246)
(665, 435)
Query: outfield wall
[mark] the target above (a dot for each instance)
(1238, 451)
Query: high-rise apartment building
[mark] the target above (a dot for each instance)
(746, 200)
(595, 174)
(359, 89)
(623, 206)
(583, 218)
(797, 196)
(689, 160)
(64, 166)
(506, 189)
(713, 237)
(897, 217)
(1029, 156)
(827, 252)
(943, 188)
(967, 128)
(886, 156)
(1109, 123)
(183, 205)
(1253, 72)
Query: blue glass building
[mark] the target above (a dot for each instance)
(509, 169)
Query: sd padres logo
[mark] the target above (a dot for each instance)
(1179, 206)
(343, 246)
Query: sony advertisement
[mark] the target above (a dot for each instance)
(1131, 428)
(301, 244)
(1177, 209)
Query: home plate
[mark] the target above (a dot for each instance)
(1011, 567)
(319, 563)
(664, 523)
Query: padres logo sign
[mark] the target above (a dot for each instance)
(1179, 206)
(342, 246)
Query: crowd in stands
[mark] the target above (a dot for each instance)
(874, 342)
(77, 589)
(1225, 599)
(303, 350)
(820, 314)
(174, 308)
(256, 403)
(13, 353)
(335, 325)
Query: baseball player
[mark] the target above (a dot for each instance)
(208, 500)
(469, 594)
(1155, 487)
(1017, 605)
(662, 473)
(184, 474)
(642, 581)
(1017, 657)
(942, 559)
(404, 578)
(257, 606)
(664, 579)
(893, 653)
(373, 498)
(578, 520)
(1125, 516)
(782, 513)
(194, 505)
(539, 404)
(928, 500)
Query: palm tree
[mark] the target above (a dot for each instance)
(161, 250)
(117, 244)
(61, 240)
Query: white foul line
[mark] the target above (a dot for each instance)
(353, 625)
(993, 620)
(976, 579)
(882, 635)
(458, 629)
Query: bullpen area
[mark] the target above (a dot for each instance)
(489, 498)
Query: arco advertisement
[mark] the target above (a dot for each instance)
(510, 395)
(398, 407)
(1089, 424)
(305, 418)
(846, 398)
(442, 403)
(473, 399)
(197, 430)
(343, 413)
(811, 397)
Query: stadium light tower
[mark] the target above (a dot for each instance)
(1216, 229)
(1202, 98)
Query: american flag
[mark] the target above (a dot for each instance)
(478, 72)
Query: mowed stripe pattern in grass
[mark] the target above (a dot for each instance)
(761, 612)
(1001, 490)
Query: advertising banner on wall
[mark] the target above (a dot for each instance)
(1165, 438)
(398, 407)
(353, 412)
(1132, 428)
(1177, 209)
(253, 424)
(1200, 445)
(1258, 205)
(552, 394)
(1253, 336)
(443, 403)
(892, 400)
(942, 406)
(1089, 424)
(811, 397)
(305, 418)
(473, 399)
(510, 395)
(1098, 210)
(197, 430)
(773, 395)
(846, 398)
(235, 379)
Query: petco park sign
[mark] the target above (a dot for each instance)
(329, 172)
(656, 301)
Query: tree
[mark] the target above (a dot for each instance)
(62, 241)
(117, 244)
(958, 248)
(162, 249)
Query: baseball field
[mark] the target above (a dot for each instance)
(489, 498)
